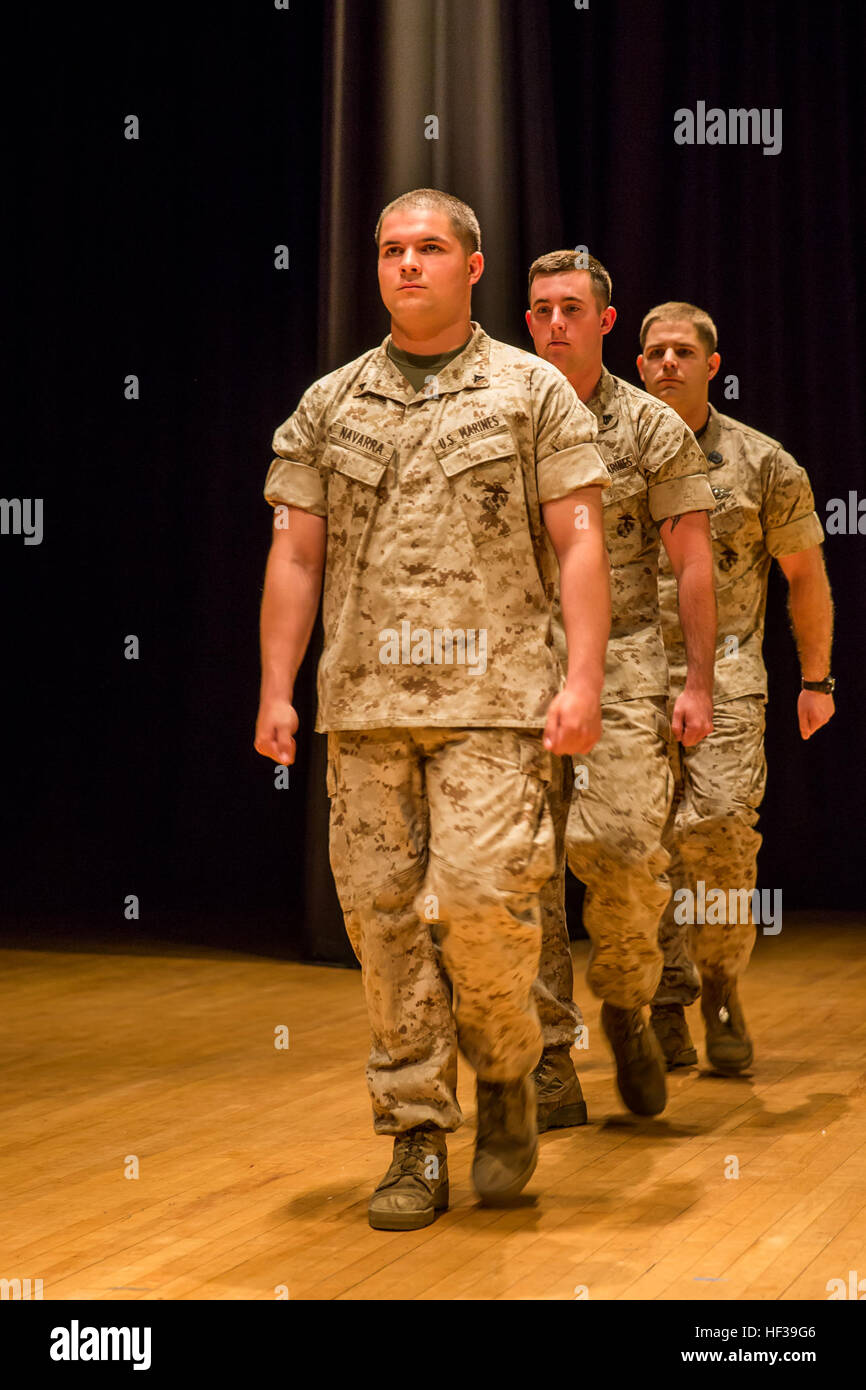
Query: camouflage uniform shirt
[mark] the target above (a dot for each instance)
(656, 470)
(763, 507)
(439, 573)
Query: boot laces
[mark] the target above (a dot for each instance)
(418, 1143)
(546, 1070)
(414, 1149)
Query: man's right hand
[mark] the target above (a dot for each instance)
(275, 725)
(692, 717)
(573, 721)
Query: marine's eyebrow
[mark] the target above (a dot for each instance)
(399, 241)
(569, 299)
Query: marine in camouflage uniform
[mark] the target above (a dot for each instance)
(612, 823)
(623, 788)
(763, 509)
(441, 830)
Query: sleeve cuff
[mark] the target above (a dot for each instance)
(295, 485)
(678, 495)
(570, 469)
(800, 534)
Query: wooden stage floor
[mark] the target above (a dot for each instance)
(255, 1164)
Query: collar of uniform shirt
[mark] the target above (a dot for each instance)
(602, 395)
(470, 368)
(414, 359)
(418, 369)
(710, 435)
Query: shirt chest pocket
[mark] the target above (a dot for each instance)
(486, 477)
(355, 487)
(354, 478)
(624, 504)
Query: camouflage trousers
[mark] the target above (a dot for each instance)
(613, 839)
(553, 990)
(710, 835)
(440, 841)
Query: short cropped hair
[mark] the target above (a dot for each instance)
(561, 262)
(462, 218)
(678, 309)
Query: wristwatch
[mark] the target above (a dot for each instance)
(826, 686)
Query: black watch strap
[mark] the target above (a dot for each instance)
(826, 686)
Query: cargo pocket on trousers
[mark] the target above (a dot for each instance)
(530, 858)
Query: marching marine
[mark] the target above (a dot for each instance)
(432, 484)
(763, 509)
(611, 826)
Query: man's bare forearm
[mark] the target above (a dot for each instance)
(810, 606)
(689, 546)
(585, 598)
(289, 605)
(696, 598)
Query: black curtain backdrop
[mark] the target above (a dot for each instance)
(263, 127)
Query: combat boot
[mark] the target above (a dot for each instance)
(640, 1066)
(672, 1032)
(506, 1146)
(729, 1047)
(557, 1091)
(415, 1188)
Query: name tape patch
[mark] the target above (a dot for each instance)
(620, 465)
(473, 429)
(357, 439)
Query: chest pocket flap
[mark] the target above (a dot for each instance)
(473, 452)
(353, 463)
(487, 480)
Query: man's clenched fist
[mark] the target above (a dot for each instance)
(275, 726)
(573, 722)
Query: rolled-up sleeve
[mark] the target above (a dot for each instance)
(565, 472)
(789, 518)
(294, 478)
(677, 472)
(566, 455)
(691, 493)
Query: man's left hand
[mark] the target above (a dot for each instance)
(814, 710)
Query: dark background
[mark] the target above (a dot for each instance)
(156, 257)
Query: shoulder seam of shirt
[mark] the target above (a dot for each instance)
(737, 426)
(529, 358)
(644, 397)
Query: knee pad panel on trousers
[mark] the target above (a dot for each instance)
(620, 844)
(493, 826)
(458, 894)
